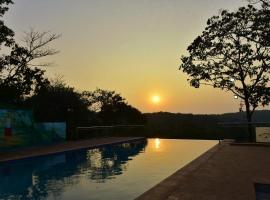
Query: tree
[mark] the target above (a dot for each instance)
(102, 100)
(265, 3)
(232, 54)
(57, 102)
(112, 108)
(6, 37)
(19, 75)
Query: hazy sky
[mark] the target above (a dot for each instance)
(131, 46)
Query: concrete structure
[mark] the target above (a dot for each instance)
(226, 172)
(263, 134)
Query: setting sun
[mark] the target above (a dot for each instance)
(156, 99)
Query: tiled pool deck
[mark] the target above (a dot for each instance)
(226, 172)
(63, 147)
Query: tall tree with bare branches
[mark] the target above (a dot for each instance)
(20, 72)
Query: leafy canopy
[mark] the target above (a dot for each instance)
(112, 108)
(233, 54)
(19, 75)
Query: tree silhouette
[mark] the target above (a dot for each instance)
(232, 54)
(112, 108)
(57, 102)
(19, 75)
(264, 3)
(6, 36)
(102, 100)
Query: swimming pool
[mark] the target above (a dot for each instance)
(119, 172)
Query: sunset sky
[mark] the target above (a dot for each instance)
(130, 46)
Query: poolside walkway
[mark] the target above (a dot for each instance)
(63, 147)
(226, 172)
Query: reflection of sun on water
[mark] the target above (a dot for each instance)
(157, 143)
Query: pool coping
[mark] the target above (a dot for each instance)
(68, 146)
(258, 144)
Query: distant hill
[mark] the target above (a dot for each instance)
(199, 126)
(259, 116)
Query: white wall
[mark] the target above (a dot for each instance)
(263, 134)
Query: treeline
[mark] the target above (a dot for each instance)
(24, 84)
(189, 126)
(58, 102)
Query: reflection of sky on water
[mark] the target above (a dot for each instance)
(112, 172)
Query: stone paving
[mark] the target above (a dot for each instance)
(226, 172)
(62, 147)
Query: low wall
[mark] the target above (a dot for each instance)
(58, 128)
(18, 129)
(263, 134)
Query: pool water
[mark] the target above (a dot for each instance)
(262, 191)
(119, 172)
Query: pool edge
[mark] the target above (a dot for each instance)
(69, 149)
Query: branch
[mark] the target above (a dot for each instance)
(36, 43)
(227, 88)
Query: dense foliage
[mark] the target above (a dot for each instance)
(233, 54)
(19, 75)
(59, 102)
(112, 108)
